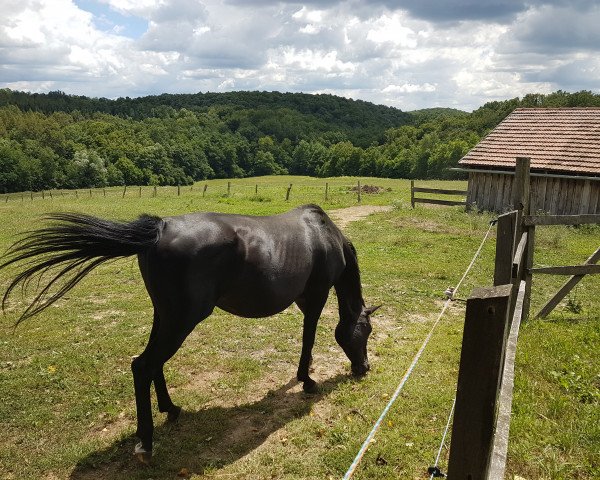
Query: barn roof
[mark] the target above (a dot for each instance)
(565, 140)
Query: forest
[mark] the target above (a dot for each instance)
(56, 140)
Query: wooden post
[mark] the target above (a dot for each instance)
(521, 201)
(505, 246)
(76, 194)
(31, 194)
(479, 378)
(326, 191)
(43, 196)
(104, 192)
(178, 190)
(90, 193)
(204, 190)
(412, 193)
(154, 191)
(287, 194)
(521, 190)
(359, 191)
(228, 189)
(140, 192)
(256, 189)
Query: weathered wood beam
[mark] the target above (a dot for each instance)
(566, 288)
(530, 220)
(438, 202)
(568, 270)
(440, 191)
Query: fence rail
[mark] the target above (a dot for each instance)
(435, 191)
(480, 431)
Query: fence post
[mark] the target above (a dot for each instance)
(228, 189)
(204, 190)
(287, 194)
(412, 194)
(43, 195)
(140, 192)
(359, 191)
(505, 246)
(478, 380)
(154, 191)
(178, 190)
(521, 201)
(256, 189)
(90, 193)
(326, 191)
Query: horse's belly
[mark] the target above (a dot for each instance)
(261, 297)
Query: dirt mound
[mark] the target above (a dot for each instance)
(370, 189)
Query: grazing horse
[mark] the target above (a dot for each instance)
(249, 266)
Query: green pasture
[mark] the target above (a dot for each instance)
(66, 394)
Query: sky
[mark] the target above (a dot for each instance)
(407, 54)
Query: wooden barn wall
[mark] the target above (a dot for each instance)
(558, 196)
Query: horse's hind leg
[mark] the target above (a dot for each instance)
(165, 404)
(167, 337)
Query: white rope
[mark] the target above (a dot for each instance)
(437, 458)
(410, 369)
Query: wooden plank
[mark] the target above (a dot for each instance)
(517, 264)
(478, 381)
(542, 183)
(497, 465)
(440, 191)
(438, 202)
(530, 220)
(566, 288)
(528, 277)
(492, 192)
(584, 205)
(567, 270)
(505, 244)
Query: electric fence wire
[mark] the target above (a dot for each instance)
(414, 362)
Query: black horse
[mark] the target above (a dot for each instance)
(248, 266)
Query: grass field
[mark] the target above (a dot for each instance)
(66, 393)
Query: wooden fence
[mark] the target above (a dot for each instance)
(435, 191)
(223, 189)
(480, 429)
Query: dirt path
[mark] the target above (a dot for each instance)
(343, 216)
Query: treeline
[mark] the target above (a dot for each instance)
(61, 141)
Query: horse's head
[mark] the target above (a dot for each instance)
(353, 336)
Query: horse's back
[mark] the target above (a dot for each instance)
(251, 266)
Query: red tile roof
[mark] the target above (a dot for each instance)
(563, 140)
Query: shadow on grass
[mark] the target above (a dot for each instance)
(207, 439)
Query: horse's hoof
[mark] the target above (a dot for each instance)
(310, 386)
(173, 414)
(144, 456)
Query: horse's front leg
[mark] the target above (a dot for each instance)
(311, 308)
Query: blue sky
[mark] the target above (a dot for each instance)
(408, 54)
(108, 19)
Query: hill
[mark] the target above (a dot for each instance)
(56, 140)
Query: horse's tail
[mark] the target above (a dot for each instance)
(69, 248)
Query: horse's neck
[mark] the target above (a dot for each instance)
(348, 289)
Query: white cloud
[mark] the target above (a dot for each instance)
(419, 56)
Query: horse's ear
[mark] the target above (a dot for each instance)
(370, 310)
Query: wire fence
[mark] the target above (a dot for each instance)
(258, 191)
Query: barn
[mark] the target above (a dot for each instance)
(564, 147)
